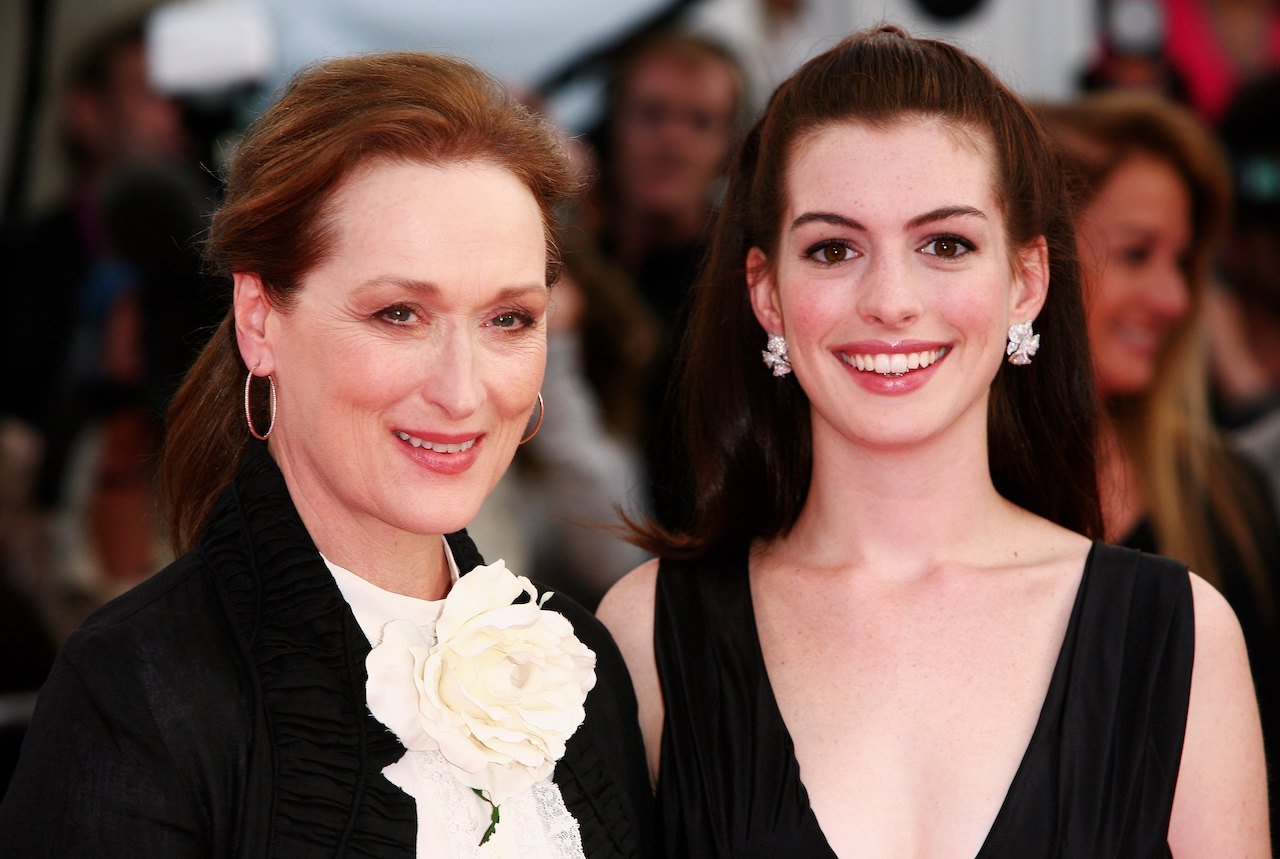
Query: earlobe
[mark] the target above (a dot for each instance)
(252, 310)
(1031, 282)
(762, 289)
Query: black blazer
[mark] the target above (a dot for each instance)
(219, 709)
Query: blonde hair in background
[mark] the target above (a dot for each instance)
(1182, 461)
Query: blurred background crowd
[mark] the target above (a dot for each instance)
(116, 116)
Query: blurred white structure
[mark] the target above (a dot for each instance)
(1037, 46)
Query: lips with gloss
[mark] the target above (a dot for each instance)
(895, 368)
(444, 454)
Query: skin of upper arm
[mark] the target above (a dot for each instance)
(627, 612)
(1220, 804)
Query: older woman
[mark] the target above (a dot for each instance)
(322, 672)
(888, 632)
(1154, 202)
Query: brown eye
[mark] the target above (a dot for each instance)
(834, 253)
(947, 247)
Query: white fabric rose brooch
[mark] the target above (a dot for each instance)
(497, 687)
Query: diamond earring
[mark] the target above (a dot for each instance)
(1023, 343)
(775, 355)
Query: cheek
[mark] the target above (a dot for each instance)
(512, 378)
(982, 319)
(810, 310)
(1105, 302)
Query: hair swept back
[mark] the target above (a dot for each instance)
(746, 433)
(332, 119)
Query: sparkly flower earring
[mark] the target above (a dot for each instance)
(775, 355)
(1023, 343)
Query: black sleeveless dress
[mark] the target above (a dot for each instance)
(1096, 780)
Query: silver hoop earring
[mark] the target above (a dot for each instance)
(775, 355)
(248, 413)
(1023, 343)
(542, 410)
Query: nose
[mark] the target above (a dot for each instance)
(887, 292)
(452, 373)
(1168, 295)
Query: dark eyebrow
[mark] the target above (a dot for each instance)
(943, 214)
(826, 218)
(940, 214)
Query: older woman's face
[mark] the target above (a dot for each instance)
(1134, 238)
(412, 360)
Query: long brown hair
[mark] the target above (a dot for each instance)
(332, 118)
(747, 434)
(1181, 461)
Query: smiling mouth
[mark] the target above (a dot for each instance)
(893, 364)
(435, 446)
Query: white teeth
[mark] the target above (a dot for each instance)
(438, 448)
(893, 364)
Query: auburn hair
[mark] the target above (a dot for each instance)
(333, 118)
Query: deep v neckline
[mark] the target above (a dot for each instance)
(1053, 695)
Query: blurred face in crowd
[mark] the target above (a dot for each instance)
(411, 362)
(1134, 239)
(126, 119)
(672, 133)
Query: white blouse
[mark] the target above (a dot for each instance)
(451, 817)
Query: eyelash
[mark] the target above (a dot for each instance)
(524, 320)
(814, 250)
(961, 243)
(385, 314)
(521, 319)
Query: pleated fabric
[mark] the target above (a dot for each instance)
(219, 709)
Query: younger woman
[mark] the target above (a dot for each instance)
(888, 632)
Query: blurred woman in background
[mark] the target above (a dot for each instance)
(1154, 203)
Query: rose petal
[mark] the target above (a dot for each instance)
(497, 686)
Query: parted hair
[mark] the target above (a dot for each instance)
(332, 119)
(747, 435)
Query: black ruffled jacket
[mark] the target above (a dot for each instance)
(219, 709)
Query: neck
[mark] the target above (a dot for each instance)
(903, 510)
(393, 559)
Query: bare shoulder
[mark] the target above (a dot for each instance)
(627, 609)
(1220, 805)
(1216, 623)
(627, 612)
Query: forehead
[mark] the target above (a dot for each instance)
(403, 217)
(682, 75)
(909, 165)
(1145, 186)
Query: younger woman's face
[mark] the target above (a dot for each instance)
(1134, 238)
(893, 281)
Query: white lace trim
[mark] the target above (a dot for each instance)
(451, 818)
